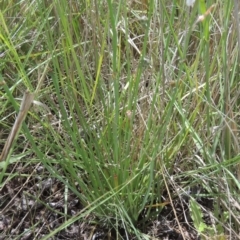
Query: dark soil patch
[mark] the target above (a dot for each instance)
(32, 205)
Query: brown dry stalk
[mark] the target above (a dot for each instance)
(25, 105)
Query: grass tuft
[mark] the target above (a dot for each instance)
(135, 111)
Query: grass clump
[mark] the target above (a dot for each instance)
(135, 113)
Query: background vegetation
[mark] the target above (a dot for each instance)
(136, 107)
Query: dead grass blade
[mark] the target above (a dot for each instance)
(25, 105)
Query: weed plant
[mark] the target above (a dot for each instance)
(134, 101)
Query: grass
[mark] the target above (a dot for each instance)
(135, 106)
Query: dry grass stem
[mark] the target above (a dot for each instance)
(25, 105)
